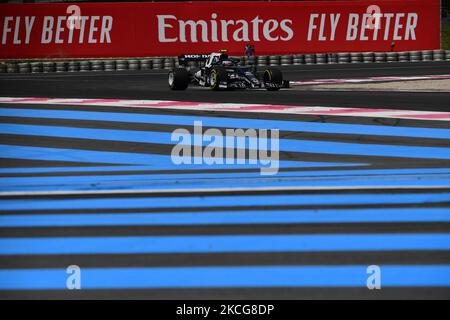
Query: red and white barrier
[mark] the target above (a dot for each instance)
(166, 29)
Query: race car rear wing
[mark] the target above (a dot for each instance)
(185, 58)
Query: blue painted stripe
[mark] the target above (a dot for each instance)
(57, 154)
(391, 177)
(226, 243)
(218, 122)
(326, 177)
(227, 277)
(303, 164)
(324, 147)
(353, 175)
(229, 218)
(169, 182)
(225, 201)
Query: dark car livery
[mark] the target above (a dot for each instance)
(219, 71)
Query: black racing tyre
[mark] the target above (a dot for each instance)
(178, 79)
(273, 76)
(217, 76)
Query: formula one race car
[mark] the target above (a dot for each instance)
(219, 71)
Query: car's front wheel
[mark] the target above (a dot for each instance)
(217, 76)
(273, 79)
(178, 79)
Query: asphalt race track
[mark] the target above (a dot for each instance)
(153, 85)
(91, 183)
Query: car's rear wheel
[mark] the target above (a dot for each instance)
(217, 76)
(273, 79)
(178, 79)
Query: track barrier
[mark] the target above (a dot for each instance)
(162, 63)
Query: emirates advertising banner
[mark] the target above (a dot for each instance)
(167, 29)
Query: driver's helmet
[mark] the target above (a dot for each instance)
(223, 57)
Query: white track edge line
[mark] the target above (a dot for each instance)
(204, 190)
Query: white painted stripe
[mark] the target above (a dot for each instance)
(239, 107)
(209, 190)
(368, 79)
